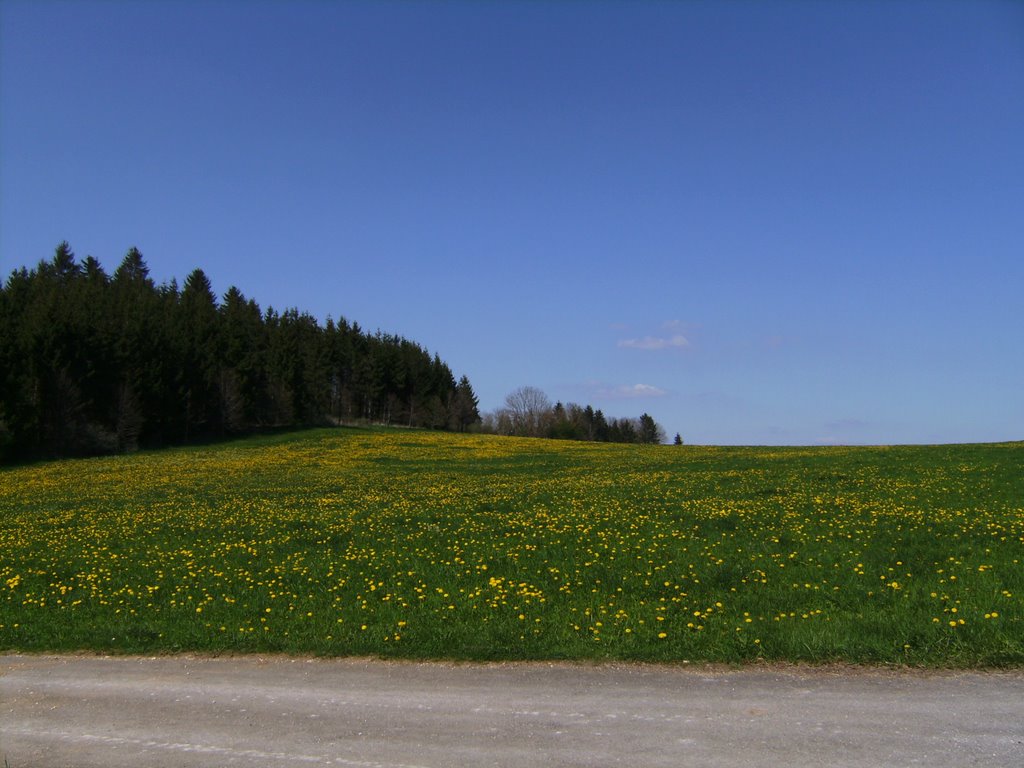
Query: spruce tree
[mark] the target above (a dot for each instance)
(197, 312)
(648, 431)
(466, 405)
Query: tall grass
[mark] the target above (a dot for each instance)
(425, 545)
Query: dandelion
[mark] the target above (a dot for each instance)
(392, 527)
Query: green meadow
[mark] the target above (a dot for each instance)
(401, 543)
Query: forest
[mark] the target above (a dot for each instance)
(92, 363)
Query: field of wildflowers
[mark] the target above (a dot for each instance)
(430, 545)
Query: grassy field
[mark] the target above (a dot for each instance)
(426, 545)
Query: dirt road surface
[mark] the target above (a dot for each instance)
(187, 712)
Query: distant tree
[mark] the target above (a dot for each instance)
(648, 430)
(678, 440)
(202, 358)
(57, 346)
(528, 412)
(566, 422)
(441, 387)
(241, 379)
(63, 265)
(622, 431)
(465, 411)
(527, 409)
(143, 373)
(133, 269)
(588, 422)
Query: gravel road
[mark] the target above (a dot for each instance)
(186, 712)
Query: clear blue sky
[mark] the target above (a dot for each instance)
(760, 222)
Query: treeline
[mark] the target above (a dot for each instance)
(93, 363)
(528, 412)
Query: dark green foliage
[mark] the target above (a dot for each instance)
(649, 431)
(92, 364)
(466, 407)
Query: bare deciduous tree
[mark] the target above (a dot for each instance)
(528, 409)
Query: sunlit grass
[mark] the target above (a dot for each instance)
(402, 543)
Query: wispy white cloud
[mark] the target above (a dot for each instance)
(677, 341)
(630, 391)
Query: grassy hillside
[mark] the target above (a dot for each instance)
(415, 544)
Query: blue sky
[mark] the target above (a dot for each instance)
(762, 223)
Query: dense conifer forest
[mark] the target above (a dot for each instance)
(92, 363)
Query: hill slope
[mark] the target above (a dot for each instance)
(406, 543)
